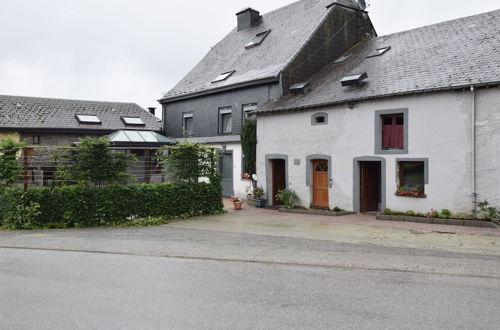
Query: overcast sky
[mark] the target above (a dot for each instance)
(133, 50)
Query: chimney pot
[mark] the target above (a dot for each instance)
(247, 18)
(152, 110)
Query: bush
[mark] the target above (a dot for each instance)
(288, 197)
(87, 206)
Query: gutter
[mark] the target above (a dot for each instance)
(473, 150)
(218, 90)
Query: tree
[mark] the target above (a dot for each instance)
(190, 161)
(93, 162)
(10, 167)
(249, 143)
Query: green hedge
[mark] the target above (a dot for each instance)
(88, 206)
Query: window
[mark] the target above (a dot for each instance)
(259, 38)
(319, 118)
(223, 76)
(247, 109)
(187, 123)
(133, 121)
(412, 177)
(225, 120)
(379, 51)
(88, 119)
(342, 59)
(393, 131)
(36, 139)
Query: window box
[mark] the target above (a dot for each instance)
(412, 194)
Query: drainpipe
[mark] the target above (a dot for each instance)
(473, 149)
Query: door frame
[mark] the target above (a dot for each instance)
(219, 169)
(357, 181)
(269, 174)
(313, 170)
(309, 173)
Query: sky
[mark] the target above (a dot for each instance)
(134, 50)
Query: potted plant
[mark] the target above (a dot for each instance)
(258, 197)
(237, 202)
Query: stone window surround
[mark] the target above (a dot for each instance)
(423, 160)
(319, 114)
(378, 131)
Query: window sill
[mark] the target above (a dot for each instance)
(391, 152)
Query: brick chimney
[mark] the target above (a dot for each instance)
(247, 18)
(152, 111)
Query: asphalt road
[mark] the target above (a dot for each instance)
(74, 290)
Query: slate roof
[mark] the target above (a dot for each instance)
(443, 56)
(291, 26)
(46, 113)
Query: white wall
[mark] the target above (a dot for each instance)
(439, 129)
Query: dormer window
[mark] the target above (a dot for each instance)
(223, 76)
(133, 121)
(88, 119)
(379, 51)
(259, 38)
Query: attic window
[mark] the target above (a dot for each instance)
(354, 80)
(379, 51)
(259, 38)
(342, 59)
(223, 76)
(300, 88)
(88, 119)
(136, 121)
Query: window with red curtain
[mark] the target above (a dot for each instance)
(393, 131)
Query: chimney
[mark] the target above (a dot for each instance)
(152, 111)
(247, 18)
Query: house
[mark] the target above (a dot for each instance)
(258, 61)
(407, 121)
(44, 123)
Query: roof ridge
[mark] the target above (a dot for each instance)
(437, 24)
(65, 99)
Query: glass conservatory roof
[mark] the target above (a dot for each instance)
(129, 136)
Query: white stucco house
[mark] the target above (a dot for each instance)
(407, 121)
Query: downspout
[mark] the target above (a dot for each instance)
(473, 150)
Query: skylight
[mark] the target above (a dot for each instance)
(133, 121)
(223, 76)
(259, 38)
(342, 59)
(88, 119)
(354, 80)
(379, 51)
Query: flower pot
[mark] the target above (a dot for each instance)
(237, 205)
(260, 203)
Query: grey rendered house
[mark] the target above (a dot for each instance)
(45, 123)
(258, 61)
(408, 121)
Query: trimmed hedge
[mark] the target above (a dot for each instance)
(88, 206)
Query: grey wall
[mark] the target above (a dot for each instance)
(205, 109)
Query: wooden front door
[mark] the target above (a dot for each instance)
(321, 183)
(370, 194)
(279, 178)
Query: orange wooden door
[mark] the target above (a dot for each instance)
(321, 183)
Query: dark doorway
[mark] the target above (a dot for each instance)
(370, 186)
(279, 178)
(226, 170)
(321, 184)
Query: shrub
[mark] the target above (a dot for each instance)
(337, 209)
(249, 143)
(10, 168)
(446, 214)
(87, 206)
(288, 197)
(258, 193)
(487, 211)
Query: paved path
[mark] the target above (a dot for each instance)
(66, 290)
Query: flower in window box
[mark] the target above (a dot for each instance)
(245, 176)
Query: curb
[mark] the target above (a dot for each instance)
(438, 221)
(316, 212)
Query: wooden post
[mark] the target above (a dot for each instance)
(26, 153)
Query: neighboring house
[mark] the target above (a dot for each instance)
(44, 123)
(415, 113)
(256, 62)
